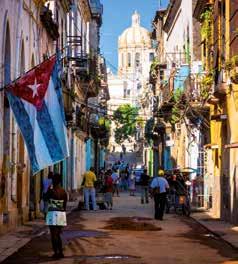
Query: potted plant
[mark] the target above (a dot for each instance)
(206, 28)
(235, 60)
(234, 69)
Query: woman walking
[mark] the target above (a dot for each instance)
(56, 216)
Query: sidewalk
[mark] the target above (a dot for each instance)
(222, 229)
(13, 241)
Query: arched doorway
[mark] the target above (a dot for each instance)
(21, 147)
(6, 117)
(33, 178)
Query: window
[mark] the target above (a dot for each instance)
(124, 93)
(129, 59)
(122, 59)
(137, 59)
(151, 56)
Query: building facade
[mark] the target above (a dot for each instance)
(194, 84)
(220, 48)
(32, 31)
(179, 114)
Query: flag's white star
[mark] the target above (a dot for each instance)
(34, 88)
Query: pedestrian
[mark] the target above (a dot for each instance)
(123, 175)
(144, 182)
(132, 184)
(89, 179)
(47, 182)
(159, 186)
(108, 189)
(116, 182)
(56, 215)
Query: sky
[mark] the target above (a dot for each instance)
(117, 17)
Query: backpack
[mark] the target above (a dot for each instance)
(154, 191)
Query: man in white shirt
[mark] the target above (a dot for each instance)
(159, 185)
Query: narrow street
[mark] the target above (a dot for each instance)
(88, 241)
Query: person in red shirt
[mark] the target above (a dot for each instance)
(109, 189)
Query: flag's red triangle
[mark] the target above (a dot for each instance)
(33, 85)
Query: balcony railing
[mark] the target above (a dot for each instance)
(221, 86)
(66, 4)
(97, 10)
(39, 2)
(96, 7)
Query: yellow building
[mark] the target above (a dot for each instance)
(220, 59)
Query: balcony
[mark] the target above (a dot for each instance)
(86, 69)
(50, 25)
(200, 7)
(167, 103)
(154, 71)
(99, 127)
(97, 10)
(66, 4)
(81, 119)
(39, 3)
(96, 7)
(81, 64)
(220, 88)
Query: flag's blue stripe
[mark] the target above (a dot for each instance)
(48, 131)
(25, 126)
(58, 88)
(55, 111)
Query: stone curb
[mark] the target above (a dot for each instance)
(214, 232)
(21, 242)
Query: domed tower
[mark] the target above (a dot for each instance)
(135, 54)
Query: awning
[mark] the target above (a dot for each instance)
(211, 146)
(232, 145)
(182, 74)
(188, 170)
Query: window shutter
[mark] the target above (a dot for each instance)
(234, 27)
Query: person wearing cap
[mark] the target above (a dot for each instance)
(159, 186)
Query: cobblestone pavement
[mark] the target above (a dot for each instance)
(86, 241)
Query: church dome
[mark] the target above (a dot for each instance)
(135, 35)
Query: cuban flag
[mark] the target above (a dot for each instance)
(37, 103)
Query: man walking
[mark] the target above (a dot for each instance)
(89, 190)
(116, 181)
(144, 182)
(159, 186)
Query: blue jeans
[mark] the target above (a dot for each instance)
(90, 192)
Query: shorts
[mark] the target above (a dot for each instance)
(56, 218)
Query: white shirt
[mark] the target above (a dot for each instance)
(115, 177)
(161, 183)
